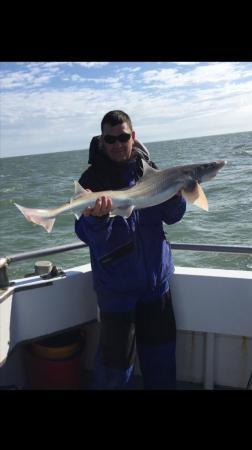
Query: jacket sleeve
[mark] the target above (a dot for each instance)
(173, 209)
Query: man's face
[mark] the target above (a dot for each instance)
(120, 150)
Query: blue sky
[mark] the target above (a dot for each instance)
(58, 106)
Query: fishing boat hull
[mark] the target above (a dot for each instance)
(213, 311)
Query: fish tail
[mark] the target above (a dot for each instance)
(34, 215)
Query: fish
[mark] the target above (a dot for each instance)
(155, 186)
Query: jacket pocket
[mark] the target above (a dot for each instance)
(116, 254)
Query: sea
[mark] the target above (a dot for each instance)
(47, 180)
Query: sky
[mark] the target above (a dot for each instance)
(58, 106)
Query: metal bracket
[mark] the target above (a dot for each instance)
(4, 280)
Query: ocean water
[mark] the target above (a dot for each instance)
(46, 180)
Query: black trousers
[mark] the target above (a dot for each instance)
(149, 329)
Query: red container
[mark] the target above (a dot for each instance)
(55, 363)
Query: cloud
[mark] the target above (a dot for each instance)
(209, 73)
(186, 63)
(49, 106)
(128, 69)
(24, 79)
(88, 64)
(106, 80)
(38, 74)
(91, 65)
(33, 75)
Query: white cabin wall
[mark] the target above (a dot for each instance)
(233, 361)
(190, 351)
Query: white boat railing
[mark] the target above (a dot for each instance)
(176, 246)
(5, 261)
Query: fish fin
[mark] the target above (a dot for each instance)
(147, 169)
(124, 212)
(196, 197)
(77, 216)
(33, 215)
(79, 191)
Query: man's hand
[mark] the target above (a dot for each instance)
(103, 206)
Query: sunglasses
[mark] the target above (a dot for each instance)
(124, 137)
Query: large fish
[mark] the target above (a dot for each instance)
(154, 187)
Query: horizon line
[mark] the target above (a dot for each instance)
(145, 143)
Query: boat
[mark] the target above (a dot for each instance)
(213, 312)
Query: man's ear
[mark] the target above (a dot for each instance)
(133, 135)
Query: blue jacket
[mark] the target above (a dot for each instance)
(128, 255)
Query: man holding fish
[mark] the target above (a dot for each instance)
(131, 262)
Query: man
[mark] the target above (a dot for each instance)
(131, 263)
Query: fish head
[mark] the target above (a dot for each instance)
(195, 174)
(206, 171)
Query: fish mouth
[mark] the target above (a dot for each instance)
(221, 163)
